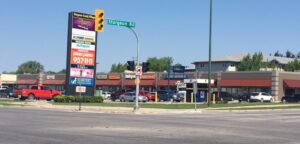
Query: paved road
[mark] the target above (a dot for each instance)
(32, 126)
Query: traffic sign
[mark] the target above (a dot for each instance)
(138, 70)
(121, 23)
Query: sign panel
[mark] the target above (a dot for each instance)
(81, 89)
(81, 59)
(81, 81)
(121, 23)
(114, 76)
(85, 73)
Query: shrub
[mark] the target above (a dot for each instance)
(58, 99)
(83, 99)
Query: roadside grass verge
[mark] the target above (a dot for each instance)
(12, 102)
(230, 106)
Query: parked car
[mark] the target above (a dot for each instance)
(178, 97)
(164, 95)
(116, 95)
(260, 96)
(150, 96)
(37, 92)
(223, 96)
(106, 95)
(290, 98)
(130, 97)
(244, 97)
(4, 93)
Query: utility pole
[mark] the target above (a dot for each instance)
(209, 55)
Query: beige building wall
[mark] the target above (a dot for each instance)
(8, 78)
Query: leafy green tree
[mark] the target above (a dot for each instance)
(289, 54)
(32, 67)
(160, 64)
(118, 68)
(63, 71)
(253, 63)
(298, 55)
(292, 66)
(278, 54)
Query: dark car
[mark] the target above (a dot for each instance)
(116, 95)
(6, 93)
(244, 97)
(290, 98)
(223, 96)
(164, 95)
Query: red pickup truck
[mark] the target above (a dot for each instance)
(37, 92)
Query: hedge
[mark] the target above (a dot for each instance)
(83, 99)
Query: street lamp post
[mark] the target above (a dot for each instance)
(137, 78)
(209, 55)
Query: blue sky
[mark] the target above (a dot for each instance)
(37, 30)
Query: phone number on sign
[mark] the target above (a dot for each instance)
(82, 60)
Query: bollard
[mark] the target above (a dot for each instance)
(184, 98)
(192, 97)
(214, 98)
(156, 97)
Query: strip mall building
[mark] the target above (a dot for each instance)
(277, 83)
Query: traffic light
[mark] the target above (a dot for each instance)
(99, 21)
(145, 66)
(130, 65)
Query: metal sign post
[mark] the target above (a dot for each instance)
(195, 93)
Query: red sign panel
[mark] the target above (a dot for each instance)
(83, 57)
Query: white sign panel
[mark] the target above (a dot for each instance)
(81, 89)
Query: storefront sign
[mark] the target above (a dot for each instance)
(114, 76)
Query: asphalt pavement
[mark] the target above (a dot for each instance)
(50, 126)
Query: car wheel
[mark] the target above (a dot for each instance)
(122, 100)
(283, 100)
(31, 97)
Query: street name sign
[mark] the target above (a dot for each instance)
(121, 23)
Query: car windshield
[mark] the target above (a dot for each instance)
(255, 94)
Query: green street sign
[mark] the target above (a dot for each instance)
(121, 23)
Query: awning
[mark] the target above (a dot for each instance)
(108, 82)
(142, 82)
(165, 82)
(27, 82)
(54, 82)
(291, 83)
(245, 83)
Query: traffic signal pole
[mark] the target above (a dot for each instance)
(137, 78)
(209, 55)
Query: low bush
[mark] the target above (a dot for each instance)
(83, 99)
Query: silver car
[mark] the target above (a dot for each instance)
(130, 96)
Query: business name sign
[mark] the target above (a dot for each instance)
(81, 54)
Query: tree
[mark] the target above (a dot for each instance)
(160, 64)
(292, 66)
(278, 54)
(289, 54)
(32, 67)
(253, 63)
(298, 55)
(118, 68)
(63, 71)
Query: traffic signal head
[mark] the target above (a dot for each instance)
(99, 21)
(130, 65)
(145, 66)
